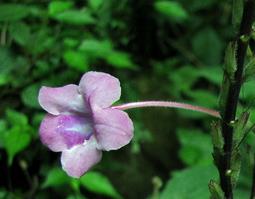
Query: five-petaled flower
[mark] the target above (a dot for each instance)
(81, 123)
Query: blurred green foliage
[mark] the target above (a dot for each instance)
(159, 49)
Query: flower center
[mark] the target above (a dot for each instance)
(74, 129)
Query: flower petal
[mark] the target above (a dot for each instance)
(64, 131)
(79, 159)
(61, 99)
(113, 128)
(100, 88)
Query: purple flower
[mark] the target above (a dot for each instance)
(81, 123)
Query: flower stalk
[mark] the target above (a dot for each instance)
(167, 104)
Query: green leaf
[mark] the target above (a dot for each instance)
(196, 147)
(98, 183)
(250, 69)
(3, 129)
(189, 183)
(141, 135)
(70, 42)
(3, 194)
(195, 5)
(77, 196)
(248, 91)
(29, 96)
(235, 167)
(55, 178)
(76, 60)
(171, 9)
(75, 17)
(41, 41)
(120, 60)
(16, 118)
(203, 98)
(97, 48)
(20, 32)
(224, 92)
(217, 138)
(7, 61)
(200, 42)
(16, 139)
(237, 13)
(240, 128)
(216, 191)
(230, 60)
(56, 7)
(95, 4)
(211, 74)
(13, 12)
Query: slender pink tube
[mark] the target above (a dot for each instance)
(168, 104)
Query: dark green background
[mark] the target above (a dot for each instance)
(159, 49)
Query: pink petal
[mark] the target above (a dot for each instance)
(100, 89)
(79, 159)
(113, 128)
(61, 99)
(64, 131)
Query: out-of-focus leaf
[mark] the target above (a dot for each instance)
(3, 128)
(172, 9)
(185, 74)
(16, 139)
(75, 17)
(195, 5)
(71, 42)
(98, 183)
(56, 7)
(95, 4)
(247, 91)
(212, 74)
(120, 60)
(141, 135)
(20, 32)
(56, 177)
(77, 196)
(241, 193)
(40, 41)
(29, 96)
(18, 136)
(16, 118)
(202, 40)
(7, 61)
(203, 98)
(190, 183)
(76, 60)
(4, 79)
(196, 147)
(13, 12)
(2, 192)
(237, 12)
(96, 48)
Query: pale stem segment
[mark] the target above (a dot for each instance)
(167, 104)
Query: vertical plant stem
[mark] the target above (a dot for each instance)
(232, 99)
